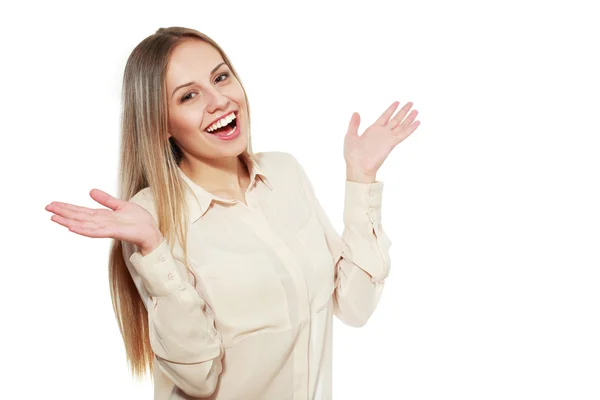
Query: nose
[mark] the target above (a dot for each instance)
(216, 100)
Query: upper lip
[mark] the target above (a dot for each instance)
(223, 115)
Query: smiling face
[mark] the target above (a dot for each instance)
(206, 102)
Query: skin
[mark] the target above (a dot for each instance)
(212, 163)
(364, 154)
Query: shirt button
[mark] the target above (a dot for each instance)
(161, 258)
(171, 277)
(371, 193)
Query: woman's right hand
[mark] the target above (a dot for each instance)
(122, 220)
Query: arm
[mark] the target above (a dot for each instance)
(361, 254)
(183, 337)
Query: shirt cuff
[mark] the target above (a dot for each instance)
(363, 202)
(158, 270)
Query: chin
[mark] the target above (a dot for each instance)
(235, 148)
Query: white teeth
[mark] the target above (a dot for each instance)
(221, 123)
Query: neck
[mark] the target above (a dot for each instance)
(219, 174)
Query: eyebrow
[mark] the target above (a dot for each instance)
(192, 82)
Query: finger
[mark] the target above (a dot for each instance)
(407, 132)
(387, 114)
(61, 220)
(392, 124)
(354, 124)
(105, 199)
(407, 122)
(57, 205)
(73, 212)
(89, 229)
(395, 122)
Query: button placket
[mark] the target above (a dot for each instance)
(372, 213)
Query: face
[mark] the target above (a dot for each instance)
(201, 90)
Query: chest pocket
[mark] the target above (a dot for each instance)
(246, 295)
(322, 269)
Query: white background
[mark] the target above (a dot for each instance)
(491, 205)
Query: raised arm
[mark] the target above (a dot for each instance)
(360, 254)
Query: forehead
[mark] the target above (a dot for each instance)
(192, 60)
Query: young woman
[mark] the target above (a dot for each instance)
(225, 271)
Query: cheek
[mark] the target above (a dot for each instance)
(236, 93)
(185, 121)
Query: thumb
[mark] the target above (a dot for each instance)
(105, 199)
(354, 123)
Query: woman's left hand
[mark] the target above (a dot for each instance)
(364, 154)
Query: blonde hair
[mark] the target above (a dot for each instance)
(150, 159)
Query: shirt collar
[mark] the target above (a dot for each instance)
(198, 200)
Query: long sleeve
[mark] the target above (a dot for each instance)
(361, 253)
(182, 335)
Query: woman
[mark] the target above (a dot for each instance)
(225, 271)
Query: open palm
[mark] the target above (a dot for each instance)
(122, 220)
(367, 152)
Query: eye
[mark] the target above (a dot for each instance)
(225, 74)
(222, 77)
(186, 97)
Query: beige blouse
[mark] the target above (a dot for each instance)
(270, 276)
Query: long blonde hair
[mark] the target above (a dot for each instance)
(150, 159)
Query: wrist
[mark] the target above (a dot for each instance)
(151, 243)
(360, 177)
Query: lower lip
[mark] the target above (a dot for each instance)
(232, 136)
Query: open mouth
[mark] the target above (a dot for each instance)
(225, 129)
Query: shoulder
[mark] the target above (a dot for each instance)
(276, 162)
(283, 169)
(144, 198)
